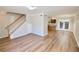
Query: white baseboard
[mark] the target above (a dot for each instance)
(40, 34)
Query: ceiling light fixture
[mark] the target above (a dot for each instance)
(31, 7)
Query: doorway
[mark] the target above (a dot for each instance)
(64, 25)
(52, 25)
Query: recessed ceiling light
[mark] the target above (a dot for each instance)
(31, 7)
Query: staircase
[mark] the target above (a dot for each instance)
(16, 24)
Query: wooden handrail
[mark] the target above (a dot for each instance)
(14, 21)
(14, 13)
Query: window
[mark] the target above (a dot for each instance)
(61, 25)
(66, 25)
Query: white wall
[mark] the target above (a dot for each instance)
(39, 24)
(46, 19)
(76, 32)
(72, 24)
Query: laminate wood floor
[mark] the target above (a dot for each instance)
(55, 41)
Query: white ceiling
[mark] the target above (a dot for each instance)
(50, 10)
